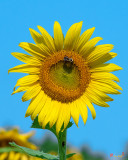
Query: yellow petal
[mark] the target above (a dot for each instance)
(26, 58)
(11, 155)
(13, 131)
(58, 36)
(94, 98)
(84, 38)
(66, 115)
(25, 68)
(104, 75)
(54, 112)
(101, 94)
(106, 57)
(60, 119)
(72, 36)
(110, 82)
(44, 111)
(24, 157)
(74, 113)
(47, 38)
(38, 38)
(27, 80)
(46, 119)
(104, 87)
(82, 109)
(35, 102)
(20, 89)
(40, 105)
(63, 117)
(28, 135)
(33, 50)
(90, 106)
(89, 46)
(98, 52)
(31, 92)
(108, 67)
(17, 156)
(3, 156)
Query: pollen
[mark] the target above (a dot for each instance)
(64, 80)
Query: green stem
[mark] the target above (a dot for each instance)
(62, 145)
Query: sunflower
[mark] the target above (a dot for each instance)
(65, 75)
(13, 135)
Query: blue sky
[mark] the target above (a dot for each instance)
(109, 131)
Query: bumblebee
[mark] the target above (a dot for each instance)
(68, 64)
(67, 59)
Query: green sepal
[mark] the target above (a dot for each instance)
(69, 125)
(35, 153)
(35, 124)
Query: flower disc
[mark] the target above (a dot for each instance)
(62, 80)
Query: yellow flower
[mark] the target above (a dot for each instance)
(13, 135)
(20, 139)
(65, 75)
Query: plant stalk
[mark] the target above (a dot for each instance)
(62, 145)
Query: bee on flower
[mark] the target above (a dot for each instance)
(66, 75)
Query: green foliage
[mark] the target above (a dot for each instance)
(53, 130)
(70, 155)
(9, 149)
(35, 124)
(35, 153)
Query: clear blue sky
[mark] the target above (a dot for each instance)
(109, 131)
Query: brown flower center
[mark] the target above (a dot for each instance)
(64, 76)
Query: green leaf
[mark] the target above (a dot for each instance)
(35, 124)
(35, 153)
(70, 155)
(17, 148)
(9, 149)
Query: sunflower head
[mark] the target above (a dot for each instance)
(13, 135)
(65, 75)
